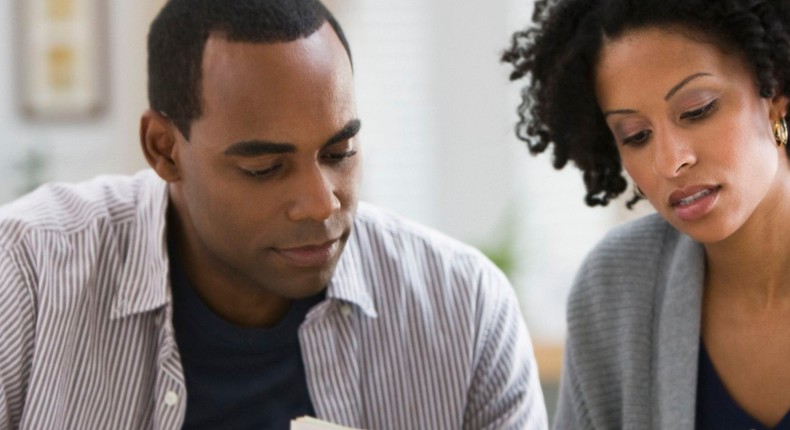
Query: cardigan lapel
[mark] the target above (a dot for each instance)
(677, 335)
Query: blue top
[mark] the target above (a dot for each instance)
(716, 409)
(237, 377)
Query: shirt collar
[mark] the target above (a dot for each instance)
(144, 273)
(348, 282)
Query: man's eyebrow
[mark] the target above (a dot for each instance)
(350, 130)
(253, 148)
(256, 147)
(685, 81)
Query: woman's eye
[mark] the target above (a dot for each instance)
(638, 138)
(700, 112)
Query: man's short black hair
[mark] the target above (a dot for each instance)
(178, 35)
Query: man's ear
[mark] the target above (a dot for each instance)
(158, 139)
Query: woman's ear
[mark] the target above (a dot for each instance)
(159, 142)
(779, 107)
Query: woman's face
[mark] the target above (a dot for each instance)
(692, 131)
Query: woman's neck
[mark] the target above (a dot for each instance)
(753, 264)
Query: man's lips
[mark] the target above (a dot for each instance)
(310, 255)
(689, 195)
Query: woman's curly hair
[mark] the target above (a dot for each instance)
(558, 58)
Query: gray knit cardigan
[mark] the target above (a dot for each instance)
(634, 332)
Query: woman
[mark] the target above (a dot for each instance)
(682, 318)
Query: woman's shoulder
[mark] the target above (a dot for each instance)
(620, 274)
(631, 247)
(613, 312)
(640, 235)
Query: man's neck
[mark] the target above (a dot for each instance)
(231, 297)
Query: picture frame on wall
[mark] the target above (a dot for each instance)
(62, 60)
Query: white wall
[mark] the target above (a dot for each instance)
(78, 150)
(433, 99)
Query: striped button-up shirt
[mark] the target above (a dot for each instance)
(417, 330)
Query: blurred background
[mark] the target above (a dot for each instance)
(438, 114)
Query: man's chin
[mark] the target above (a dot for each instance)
(310, 274)
(304, 291)
(306, 284)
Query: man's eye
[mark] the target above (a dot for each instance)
(263, 173)
(339, 156)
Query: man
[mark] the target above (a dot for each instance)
(237, 284)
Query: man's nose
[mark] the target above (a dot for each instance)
(314, 196)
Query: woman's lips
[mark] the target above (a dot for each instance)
(310, 255)
(692, 203)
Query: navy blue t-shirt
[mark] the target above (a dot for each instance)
(716, 410)
(237, 377)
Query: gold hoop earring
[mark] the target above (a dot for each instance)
(780, 132)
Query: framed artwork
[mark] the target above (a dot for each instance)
(62, 59)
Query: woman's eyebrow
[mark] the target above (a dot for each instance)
(682, 83)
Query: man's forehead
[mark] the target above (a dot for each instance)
(322, 41)
(320, 53)
(288, 92)
(278, 70)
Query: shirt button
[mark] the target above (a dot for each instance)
(345, 310)
(171, 398)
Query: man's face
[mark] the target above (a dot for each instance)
(268, 180)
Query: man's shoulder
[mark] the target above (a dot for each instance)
(395, 233)
(418, 260)
(65, 208)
